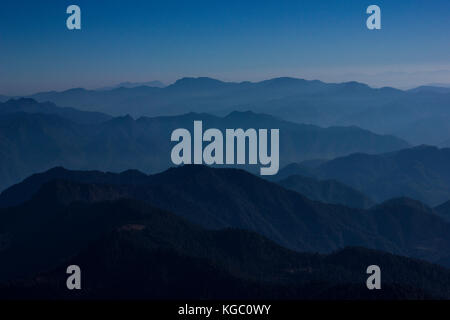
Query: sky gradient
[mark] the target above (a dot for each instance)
(229, 40)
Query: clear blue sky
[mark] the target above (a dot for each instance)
(230, 40)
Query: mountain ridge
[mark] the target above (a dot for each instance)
(328, 191)
(152, 254)
(28, 105)
(223, 198)
(382, 110)
(121, 143)
(419, 172)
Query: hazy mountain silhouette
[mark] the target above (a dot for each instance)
(420, 173)
(431, 88)
(128, 84)
(129, 249)
(34, 142)
(32, 106)
(384, 110)
(427, 130)
(328, 191)
(199, 95)
(222, 198)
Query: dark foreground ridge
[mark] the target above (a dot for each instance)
(224, 239)
(127, 249)
(230, 198)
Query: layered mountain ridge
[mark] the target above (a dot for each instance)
(231, 198)
(33, 142)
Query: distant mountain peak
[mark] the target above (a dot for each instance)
(21, 100)
(58, 169)
(75, 90)
(154, 83)
(126, 117)
(24, 102)
(284, 80)
(197, 81)
(440, 89)
(355, 85)
(133, 172)
(244, 113)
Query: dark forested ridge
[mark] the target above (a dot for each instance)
(128, 250)
(223, 198)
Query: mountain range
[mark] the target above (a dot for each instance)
(232, 198)
(439, 88)
(420, 173)
(85, 183)
(33, 142)
(37, 136)
(31, 106)
(128, 84)
(382, 110)
(328, 191)
(128, 248)
(152, 254)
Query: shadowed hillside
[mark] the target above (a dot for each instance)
(32, 142)
(128, 250)
(421, 173)
(328, 191)
(32, 106)
(223, 198)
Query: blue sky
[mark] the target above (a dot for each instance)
(230, 40)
